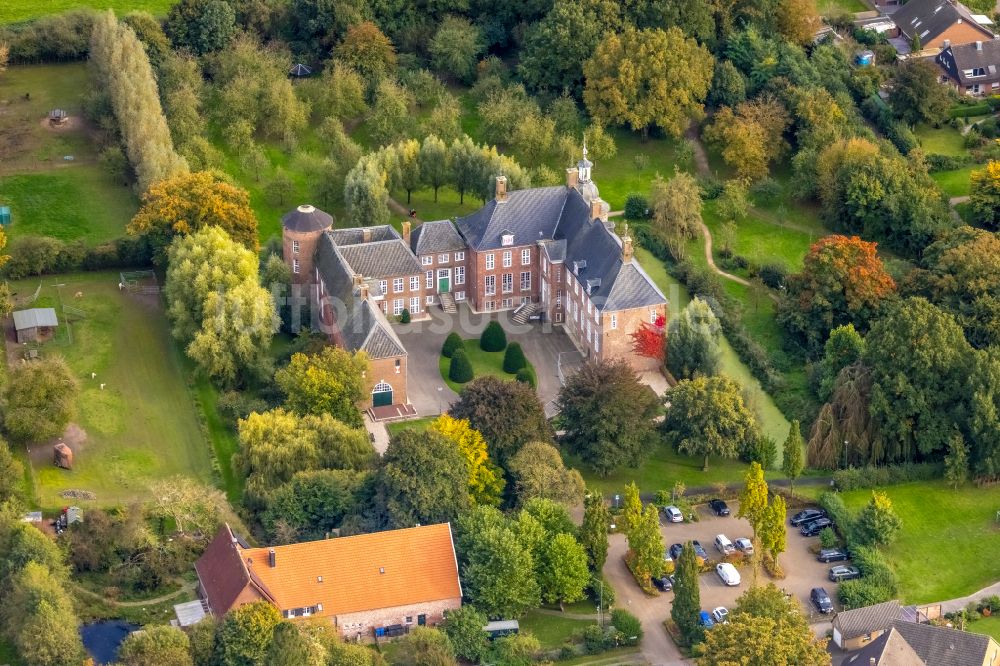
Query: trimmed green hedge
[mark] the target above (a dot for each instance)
(451, 343)
(980, 109)
(513, 358)
(855, 478)
(460, 370)
(493, 338)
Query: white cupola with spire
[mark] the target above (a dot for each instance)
(584, 165)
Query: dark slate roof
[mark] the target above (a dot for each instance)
(889, 649)
(381, 258)
(957, 59)
(306, 218)
(632, 289)
(434, 237)
(555, 250)
(362, 324)
(531, 215)
(859, 621)
(356, 235)
(941, 646)
(929, 18)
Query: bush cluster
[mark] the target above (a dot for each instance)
(937, 162)
(878, 112)
(41, 255)
(838, 513)
(56, 37)
(636, 207)
(854, 478)
(877, 584)
(980, 109)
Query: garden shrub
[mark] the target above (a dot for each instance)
(767, 190)
(989, 128)
(41, 255)
(980, 109)
(838, 513)
(460, 370)
(527, 376)
(828, 538)
(595, 639)
(601, 595)
(404, 317)
(513, 359)
(937, 162)
(56, 37)
(451, 343)
(763, 451)
(636, 207)
(711, 187)
(856, 478)
(628, 626)
(877, 584)
(236, 405)
(773, 275)
(493, 338)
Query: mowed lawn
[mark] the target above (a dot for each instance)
(79, 202)
(955, 183)
(944, 140)
(142, 427)
(949, 542)
(987, 625)
(20, 10)
(552, 631)
(483, 363)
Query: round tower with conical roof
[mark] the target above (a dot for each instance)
(301, 230)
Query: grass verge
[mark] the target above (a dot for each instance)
(21, 10)
(483, 363)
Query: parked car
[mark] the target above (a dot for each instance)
(667, 557)
(719, 507)
(699, 551)
(813, 528)
(675, 550)
(744, 545)
(807, 515)
(663, 583)
(673, 514)
(728, 573)
(706, 619)
(720, 615)
(833, 555)
(821, 600)
(724, 545)
(843, 572)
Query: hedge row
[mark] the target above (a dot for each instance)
(937, 162)
(854, 478)
(40, 255)
(980, 109)
(877, 584)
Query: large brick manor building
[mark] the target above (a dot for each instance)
(547, 250)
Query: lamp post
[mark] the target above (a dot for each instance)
(440, 393)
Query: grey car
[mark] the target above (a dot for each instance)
(843, 572)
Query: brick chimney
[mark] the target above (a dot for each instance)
(572, 177)
(363, 291)
(271, 558)
(406, 226)
(627, 250)
(366, 235)
(599, 209)
(357, 280)
(501, 193)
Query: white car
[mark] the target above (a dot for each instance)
(673, 514)
(728, 573)
(720, 615)
(724, 545)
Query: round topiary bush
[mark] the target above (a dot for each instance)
(451, 343)
(404, 317)
(513, 358)
(460, 370)
(526, 376)
(493, 338)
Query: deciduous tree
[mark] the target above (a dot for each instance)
(772, 530)
(650, 340)
(433, 160)
(11, 475)
(311, 505)
(706, 417)
(455, 47)
(426, 646)
(156, 646)
(485, 479)
(792, 462)
(645, 545)
(956, 462)
(754, 640)
(693, 341)
(844, 347)
(608, 415)
(984, 195)
(631, 514)
(201, 26)
(594, 531)
(41, 399)
(464, 627)
(676, 209)
(496, 573)
(877, 524)
(538, 471)
(193, 507)
(507, 414)
(685, 609)
(245, 634)
(365, 193)
(753, 498)
(647, 78)
(368, 51)
(750, 137)
(916, 95)
(331, 381)
(563, 574)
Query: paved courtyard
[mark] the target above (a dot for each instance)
(802, 573)
(429, 393)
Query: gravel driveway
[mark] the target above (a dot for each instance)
(802, 573)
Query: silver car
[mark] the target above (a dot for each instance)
(673, 514)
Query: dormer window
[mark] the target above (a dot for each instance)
(507, 239)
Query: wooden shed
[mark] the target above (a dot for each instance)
(62, 456)
(35, 323)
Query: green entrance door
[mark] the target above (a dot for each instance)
(444, 283)
(382, 395)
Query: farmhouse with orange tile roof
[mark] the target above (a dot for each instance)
(366, 585)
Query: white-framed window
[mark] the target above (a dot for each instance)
(525, 280)
(652, 316)
(490, 262)
(507, 239)
(597, 344)
(508, 283)
(397, 366)
(545, 264)
(409, 619)
(296, 268)
(459, 256)
(443, 258)
(295, 247)
(459, 295)
(397, 285)
(414, 304)
(459, 274)
(414, 283)
(427, 260)
(526, 256)
(507, 303)
(597, 317)
(590, 306)
(558, 297)
(614, 322)
(507, 259)
(491, 305)
(428, 300)
(429, 279)
(397, 306)
(491, 284)
(383, 286)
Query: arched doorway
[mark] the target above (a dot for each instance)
(381, 395)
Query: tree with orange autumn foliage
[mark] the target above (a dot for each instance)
(649, 340)
(189, 202)
(842, 281)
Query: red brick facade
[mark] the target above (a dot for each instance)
(483, 297)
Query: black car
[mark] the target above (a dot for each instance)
(833, 555)
(699, 551)
(675, 551)
(719, 507)
(815, 527)
(807, 515)
(663, 583)
(843, 572)
(821, 600)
